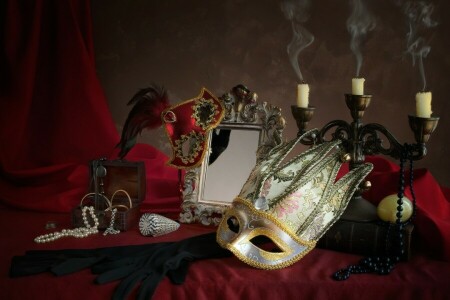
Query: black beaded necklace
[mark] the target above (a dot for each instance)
(383, 265)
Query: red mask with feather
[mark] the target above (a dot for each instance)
(187, 124)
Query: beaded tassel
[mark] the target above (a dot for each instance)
(383, 265)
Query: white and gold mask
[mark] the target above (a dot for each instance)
(292, 205)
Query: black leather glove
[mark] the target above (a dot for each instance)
(138, 264)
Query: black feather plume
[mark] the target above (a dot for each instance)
(147, 104)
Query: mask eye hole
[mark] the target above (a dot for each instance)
(266, 244)
(188, 146)
(233, 224)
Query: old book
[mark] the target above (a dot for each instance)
(364, 238)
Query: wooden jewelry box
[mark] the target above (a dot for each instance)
(114, 184)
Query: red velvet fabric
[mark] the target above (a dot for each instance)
(225, 278)
(54, 117)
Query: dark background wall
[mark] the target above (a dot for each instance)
(185, 45)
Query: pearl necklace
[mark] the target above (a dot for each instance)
(80, 232)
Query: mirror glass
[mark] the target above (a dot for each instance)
(248, 131)
(237, 161)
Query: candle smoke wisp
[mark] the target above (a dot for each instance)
(359, 24)
(297, 12)
(418, 16)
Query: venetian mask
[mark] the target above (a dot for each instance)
(290, 204)
(187, 125)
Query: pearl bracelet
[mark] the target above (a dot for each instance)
(80, 232)
(110, 229)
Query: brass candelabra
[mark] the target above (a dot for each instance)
(360, 140)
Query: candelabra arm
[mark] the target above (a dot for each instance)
(343, 131)
(373, 144)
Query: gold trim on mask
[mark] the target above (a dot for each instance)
(276, 221)
(250, 259)
(199, 107)
(194, 148)
(275, 239)
(259, 265)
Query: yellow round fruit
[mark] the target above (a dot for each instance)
(387, 209)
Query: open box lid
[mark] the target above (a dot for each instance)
(119, 175)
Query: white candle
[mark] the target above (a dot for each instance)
(423, 104)
(358, 86)
(303, 95)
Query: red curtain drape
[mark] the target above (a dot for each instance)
(54, 117)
